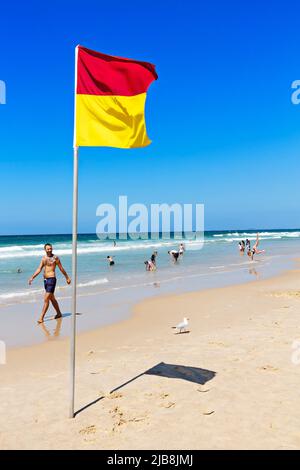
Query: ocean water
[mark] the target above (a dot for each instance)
(216, 263)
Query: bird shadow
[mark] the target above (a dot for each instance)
(182, 332)
(170, 371)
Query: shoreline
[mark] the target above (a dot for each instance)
(230, 382)
(99, 309)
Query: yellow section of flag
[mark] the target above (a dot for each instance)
(111, 121)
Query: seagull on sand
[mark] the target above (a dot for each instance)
(182, 326)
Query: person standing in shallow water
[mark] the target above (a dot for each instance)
(49, 263)
(153, 258)
(242, 247)
(110, 260)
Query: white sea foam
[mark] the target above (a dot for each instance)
(97, 246)
(269, 235)
(18, 252)
(93, 283)
(32, 292)
(15, 295)
(10, 248)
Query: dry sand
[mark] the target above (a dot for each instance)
(232, 382)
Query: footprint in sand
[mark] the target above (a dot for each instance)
(164, 404)
(203, 391)
(96, 372)
(170, 404)
(218, 343)
(118, 417)
(208, 413)
(163, 395)
(289, 294)
(116, 411)
(88, 430)
(137, 420)
(268, 368)
(114, 395)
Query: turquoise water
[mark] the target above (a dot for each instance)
(215, 263)
(218, 261)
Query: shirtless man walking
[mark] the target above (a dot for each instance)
(49, 263)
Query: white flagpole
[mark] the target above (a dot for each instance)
(74, 255)
(74, 281)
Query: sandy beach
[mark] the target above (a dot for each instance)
(231, 382)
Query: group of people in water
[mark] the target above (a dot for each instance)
(150, 264)
(247, 247)
(50, 262)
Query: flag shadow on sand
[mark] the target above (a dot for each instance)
(174, 371)
(170, 371)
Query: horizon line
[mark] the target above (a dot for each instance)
(118, 233)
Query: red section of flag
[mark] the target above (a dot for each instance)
(100, 74)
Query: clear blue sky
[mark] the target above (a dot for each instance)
(224, 130)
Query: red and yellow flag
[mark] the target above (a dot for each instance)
(110, 100)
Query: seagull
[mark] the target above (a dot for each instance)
(182, 326)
